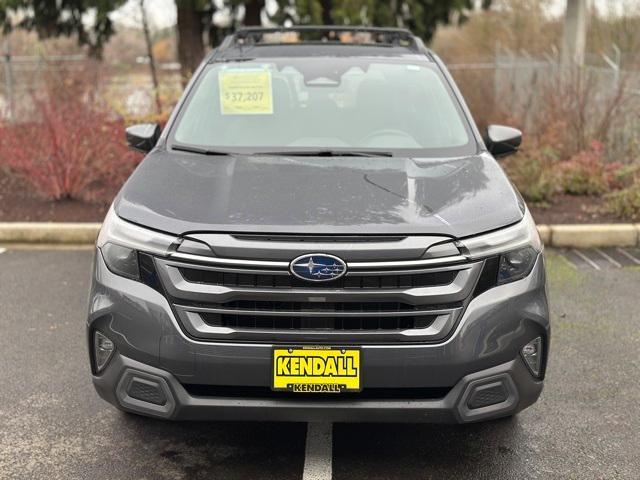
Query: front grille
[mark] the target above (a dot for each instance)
(361, 316)
(264, 280)
(385, 301)
(317, 307)
(276, 322)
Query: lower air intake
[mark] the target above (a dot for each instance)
(489, 394)
(146, 391)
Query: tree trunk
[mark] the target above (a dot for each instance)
(190, 38)
(327, 6)
(253, 9)
(152, 60)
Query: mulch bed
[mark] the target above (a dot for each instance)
(19, 203)
(573, 209)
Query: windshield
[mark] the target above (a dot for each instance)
(395, 106)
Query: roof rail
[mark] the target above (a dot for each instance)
(325, 34)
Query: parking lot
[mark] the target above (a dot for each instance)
(53, 425)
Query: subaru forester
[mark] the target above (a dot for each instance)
(320, 233)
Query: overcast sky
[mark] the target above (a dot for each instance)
(163, 12)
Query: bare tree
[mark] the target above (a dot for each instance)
(152, 61)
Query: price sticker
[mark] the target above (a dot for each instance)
(245, 92)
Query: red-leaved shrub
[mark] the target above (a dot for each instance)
(74, 148)
(586, 173)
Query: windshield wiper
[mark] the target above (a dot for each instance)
(291, 153)
(202, 151)
(327, 153)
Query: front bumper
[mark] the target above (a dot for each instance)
(484, 349)
(521, 390)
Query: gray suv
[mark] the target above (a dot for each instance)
(320, 233)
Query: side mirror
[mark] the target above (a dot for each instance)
(143, 137)
(502, 141)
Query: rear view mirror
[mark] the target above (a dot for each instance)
(143, 137)
(502, 141)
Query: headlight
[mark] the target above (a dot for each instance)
(522, 234)
(120, 241)
(517, 248)
(121, 260)
(516, 264)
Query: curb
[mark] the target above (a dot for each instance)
(39, 235)
(594, 236)
(34, 233)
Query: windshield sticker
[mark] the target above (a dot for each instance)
(245, 92)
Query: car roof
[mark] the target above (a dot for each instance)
(316, 41)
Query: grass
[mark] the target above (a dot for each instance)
(560, 271)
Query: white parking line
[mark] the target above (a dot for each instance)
(318, 452)
(629, 256)
(607, 257)
(586, 259)
(571, 264)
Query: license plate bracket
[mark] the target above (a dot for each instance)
(316, 369)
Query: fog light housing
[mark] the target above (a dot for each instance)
(532, 355)
(103, 349)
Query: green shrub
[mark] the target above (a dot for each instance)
(534, 173)
(625, 176)
(586, 173)
(625, 203)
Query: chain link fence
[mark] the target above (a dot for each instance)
(127, 88)
(509, 87)
(593, 102)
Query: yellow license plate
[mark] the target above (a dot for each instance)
(316, 369)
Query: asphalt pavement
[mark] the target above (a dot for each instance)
(53, 425)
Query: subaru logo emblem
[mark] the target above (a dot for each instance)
(318, 267)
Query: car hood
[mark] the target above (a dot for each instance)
(183, 192)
